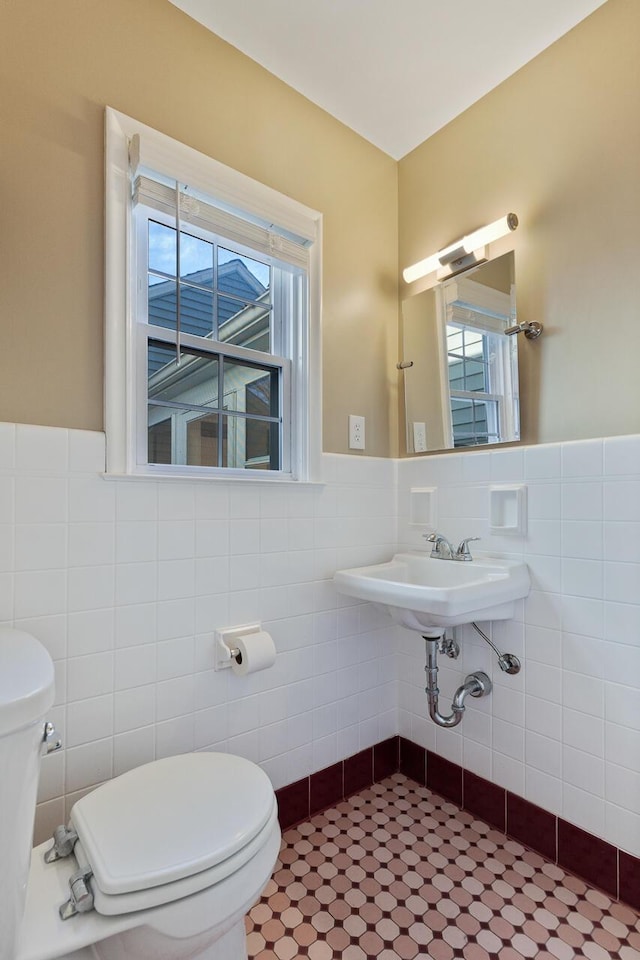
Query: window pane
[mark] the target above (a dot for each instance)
(456, 374)
(184, 437)
(468, 375)
(158, 356)
(162, 302)
(474, 343)
(196, 310)
(243, 277)
(260, 446)
(473, 422)
(159, 437)
(196, 260)
(193, 381)
(259, 433)
(181, 432)
(249, 388)
(475, 376)
(202, 440)
(258, 397)
(252, 444)
(162, 248)
(454, 340)
(245, 324)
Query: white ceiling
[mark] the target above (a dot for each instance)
(393, 72)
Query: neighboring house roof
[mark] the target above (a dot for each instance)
(196, 307)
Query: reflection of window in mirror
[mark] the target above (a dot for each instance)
(481, 365)
(460, 371)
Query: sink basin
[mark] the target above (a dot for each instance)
(428, 595)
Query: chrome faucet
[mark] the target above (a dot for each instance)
(442, 549)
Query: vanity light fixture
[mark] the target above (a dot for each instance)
(459, 255)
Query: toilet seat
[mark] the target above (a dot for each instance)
(171, 828)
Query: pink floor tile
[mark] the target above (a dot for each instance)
(396, 872)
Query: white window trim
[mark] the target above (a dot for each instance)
(166, 155)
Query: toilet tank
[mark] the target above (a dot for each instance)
(26, 694)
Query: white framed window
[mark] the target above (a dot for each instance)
(212, 316)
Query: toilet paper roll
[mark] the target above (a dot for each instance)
(256, 651)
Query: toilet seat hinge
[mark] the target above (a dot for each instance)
(64, 840)
(81, 897)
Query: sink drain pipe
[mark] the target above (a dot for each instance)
(476, 684)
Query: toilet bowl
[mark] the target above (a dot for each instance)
(162, 862)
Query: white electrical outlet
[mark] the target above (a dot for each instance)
(356, 432)
(419, 436)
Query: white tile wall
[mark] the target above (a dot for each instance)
(565, 733)
(125, 582)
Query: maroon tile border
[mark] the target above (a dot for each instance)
(413, 761)
(386, 758)
(444, 777)
(326, 788)
(358, 772)
(533, 826)
(293, 803)
(597, 862)
(304, 798)
(484, 799)
(588, 856)
(629, 879)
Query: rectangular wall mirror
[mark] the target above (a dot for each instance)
(460, 368)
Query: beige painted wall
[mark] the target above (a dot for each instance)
(559, 144)
(60, 64)
(422, 381)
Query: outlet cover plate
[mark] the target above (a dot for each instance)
(356, 432)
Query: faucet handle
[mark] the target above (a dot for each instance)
(463, 552)
(442, 549)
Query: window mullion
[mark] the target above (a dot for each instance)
(215, 325)
(221, 420)
(178, 272)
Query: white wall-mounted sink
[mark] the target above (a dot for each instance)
(428, 594)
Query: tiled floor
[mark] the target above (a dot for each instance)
(396, 872)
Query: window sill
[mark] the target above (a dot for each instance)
(218, 478)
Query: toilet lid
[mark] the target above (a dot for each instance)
(171, 819)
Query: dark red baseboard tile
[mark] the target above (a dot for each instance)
(588, 856)
(485, 800)
(326, 787)
(533, 826)
(358, 772)
(629, 879)
(293, 803)
(444, 777)
(300, 800)
(413, 761)
(386, 758)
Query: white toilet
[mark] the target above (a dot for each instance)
(168, 859)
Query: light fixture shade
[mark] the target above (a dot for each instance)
(479, 238)
(422, 269)
(493, 231)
